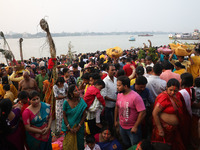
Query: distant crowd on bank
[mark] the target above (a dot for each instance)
(101, 103)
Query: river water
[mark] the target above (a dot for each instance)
(38, 47)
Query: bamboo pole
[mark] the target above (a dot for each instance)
(20, 46)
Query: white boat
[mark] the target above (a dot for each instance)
(131, 38)
(186, 36)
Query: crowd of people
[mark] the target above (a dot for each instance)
(102, 103)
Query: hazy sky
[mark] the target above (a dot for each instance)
(100, 15)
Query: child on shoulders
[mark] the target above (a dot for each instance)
(94, 100)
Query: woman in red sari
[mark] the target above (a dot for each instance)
(187, 96)
(167, 109)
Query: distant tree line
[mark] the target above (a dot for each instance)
(41, 34)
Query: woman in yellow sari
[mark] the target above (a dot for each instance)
(12, 87)
(195, 65)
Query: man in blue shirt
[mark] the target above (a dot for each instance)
(140, 88)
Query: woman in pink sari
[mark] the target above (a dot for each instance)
(37, 120)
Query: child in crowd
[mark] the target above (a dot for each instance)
(8, 94)
(91, 145)
(23, 100)
(94, 100)
(149, 71)
(92, 78)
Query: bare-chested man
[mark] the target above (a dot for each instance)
(27, 84)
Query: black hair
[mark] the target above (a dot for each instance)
(60, 73)
(149, 69)
(125, 80)
(75, 65)
(106, 127)
(117, 66)
(187, 80)
(121, 72)
(65, 70)
(5, 80)
(33, 93)
(178, 64)
(22, 95)
(146, 145)
(157, 68)
(90, 139)
(141, 80)
(42, 68)
(109, 66)
(134, 57)
(100, 82)
(167, 65)
(28, 66)
(197, 82)
(128, 59)
(181, 57)
(173, 82)
(6, 87)
(139, 70)
(85, 76)
(109, 60)
(5, 109)
(92, 60)
(95, 76)
(148, 58)
(60, 79)
(104, 67)
(197, 49)
(70, 91)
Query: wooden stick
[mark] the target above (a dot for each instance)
(20, 46)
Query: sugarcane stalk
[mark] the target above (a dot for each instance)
(44, 25)
(20, 46)
(2, 35)
(150, 44)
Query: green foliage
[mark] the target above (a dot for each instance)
(141, 54)
(153, 53)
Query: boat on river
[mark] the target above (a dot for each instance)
(131, 38)
(186, 36)
(145, 35)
